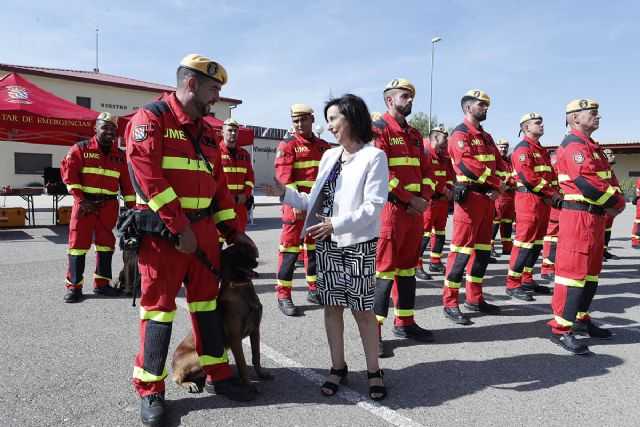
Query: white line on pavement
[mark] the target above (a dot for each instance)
(380, 411)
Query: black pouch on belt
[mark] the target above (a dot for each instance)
(460, 193)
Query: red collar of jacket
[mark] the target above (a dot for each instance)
(533, 142)
(304, 140)
(584, 137)
(473, 129)
(178, 111)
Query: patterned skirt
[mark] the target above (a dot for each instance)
(346, 276)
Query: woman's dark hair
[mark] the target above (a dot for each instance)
(354, 109)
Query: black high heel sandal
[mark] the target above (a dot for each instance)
(333, 387)
(379, 390)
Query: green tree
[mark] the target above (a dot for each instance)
(420, 121)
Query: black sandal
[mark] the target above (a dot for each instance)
(328, 385)
(379, 390)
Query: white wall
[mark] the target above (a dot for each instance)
(264, 155)
(7, 165)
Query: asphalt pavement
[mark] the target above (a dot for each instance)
(70, 365)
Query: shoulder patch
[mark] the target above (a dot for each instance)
(522, 157)
(460, 143)
(578, 158)
(140, 133)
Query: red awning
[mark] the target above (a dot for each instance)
(31, 114)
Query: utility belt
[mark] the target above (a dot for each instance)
(392, 198)
(586, 207)
(438, 196)
(526, 190)
(460, 191)
(99, 197)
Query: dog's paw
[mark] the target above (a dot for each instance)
(192, 387)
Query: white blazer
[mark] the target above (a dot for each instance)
(361, 192)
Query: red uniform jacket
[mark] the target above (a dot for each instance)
(238, 169)
(532, 165)
(171, 175)
(87, 170)
(410, 174)
(297, 161)
(441, 170)
(585, 174)
(475, 157)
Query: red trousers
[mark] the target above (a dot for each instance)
(503, 221)
(550, 242)
(578, 264)
(470, 248)
(290, 242)
(635, 231)
(434, 220)
(95, 227)
(163, 270)
(533, 217)
(396, 257)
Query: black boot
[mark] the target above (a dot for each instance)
(414, 332)
(232, 389)
(590, 329)
(455, 315)
(73, 295)
(519, 293)
(436, 268)
(152, 410)
(422, 275)
(536, 288)
(570, 343)
(482, 307)
(107, 291)
(287, 307)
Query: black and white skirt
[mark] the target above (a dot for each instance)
(346, 276)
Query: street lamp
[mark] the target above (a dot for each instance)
(433, 49)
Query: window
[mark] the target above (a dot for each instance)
(32, 163)
(84, 101)
(634, 174)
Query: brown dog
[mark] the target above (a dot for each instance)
(242, 313)
(127, 277)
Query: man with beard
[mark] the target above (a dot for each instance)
(238, 169)
(297, 161)
(183, 205)
(504, 204)
(400, 233)
(435, 216)
(475, 160)
(94, 171)
(536, 193)
(589, 193)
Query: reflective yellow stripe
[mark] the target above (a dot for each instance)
(484, 176)
(404, 161)
(97, 276)
(224, 215)
(249, 184)
(406, 272)
(157, 316)
(506, 221)
(79, 284)
(200, 306)
(428, 181)
(502, 173)
(184, 163)
(162, 198)
(440, 173)
(482, 247)
(393, 183)
(309, 246)
(452, 285)
(74, 186)
(474, 279)
(562, 322)
(386, 275)
(505, 239)
(92, 190)
(399, 312)
(103, 248)
(234, 169)
(538, 242)
(520, 244)
(101, 171)
(554, 182)
(512, 273)
(306, 164)
(550, 239)
(412, 187)
(206, 360)
(589, 278)
(77, 252)
(461, 249)
(311, 279)
(130, 198)
(290, 249)
(427, 234)
(601, 201)
(235, 186)
(440, 232)
(285, 283)
(304, 183)
(541, 184)
(292, 186)
(569, 282)
(436, 255)
(527, 269)
(542, 168)
(485, 157)
(380, 319)
(604, 174)
(195, 202)
(563, 178)
(581, 315)
(142, 375)
(547, 261)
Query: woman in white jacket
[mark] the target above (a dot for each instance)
(343, 215)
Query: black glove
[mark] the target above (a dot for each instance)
(556, 200)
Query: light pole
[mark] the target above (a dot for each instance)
(433, 50)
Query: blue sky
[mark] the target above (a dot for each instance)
(528, 56)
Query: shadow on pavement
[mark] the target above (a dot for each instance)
(13, 235)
